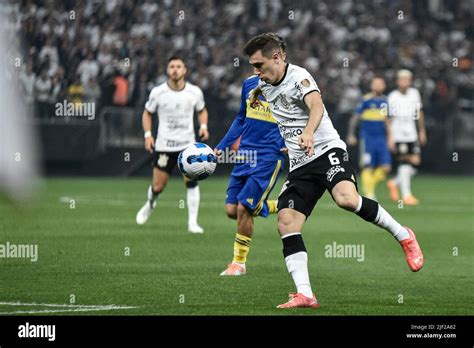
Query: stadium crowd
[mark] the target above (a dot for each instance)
(113, 52)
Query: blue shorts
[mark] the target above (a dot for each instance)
(252, 186)
(374, 152)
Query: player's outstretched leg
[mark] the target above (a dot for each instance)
(345, 195)
(193, 198)
(290, 222)
(242, 241)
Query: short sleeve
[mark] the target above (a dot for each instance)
(152, 103)
(200, 104)
(306, 84)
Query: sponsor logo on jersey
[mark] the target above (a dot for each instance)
(331, 173)
(298, 160)
(288, 133)
(261, 112)
(284, 103)
(174, 143)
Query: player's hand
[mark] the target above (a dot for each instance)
(306, 142)
(391, 144)
(422, 137)
(204, 134)
(351, 140)
(284, 150)
(149, 144)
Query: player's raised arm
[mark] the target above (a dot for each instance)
(147, 123)
(315, 106)
(203, 117)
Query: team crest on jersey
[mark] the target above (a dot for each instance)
(305, 83)
(285, 103)
(163, 160)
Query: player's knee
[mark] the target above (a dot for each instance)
(158, 187)
(285, 221)
(346, 200)
(242, 210)
(231, 211)
(415, 160)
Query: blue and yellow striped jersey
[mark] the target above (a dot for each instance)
(373, 113)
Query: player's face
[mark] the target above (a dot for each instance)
(176, 70)
(404, 82)
(378, 85)
(267, 69)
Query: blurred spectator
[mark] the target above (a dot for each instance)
(88, 68)
(121, 90)
(92, 91)
(76, 92)
(42, 90)
(27, 84)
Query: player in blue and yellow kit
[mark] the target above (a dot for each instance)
(260, 160)
(374, 135)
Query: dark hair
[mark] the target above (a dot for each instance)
(268, 43)
(176, 58)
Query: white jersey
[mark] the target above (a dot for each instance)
(292, 115)
(175, 115)
(403, 109)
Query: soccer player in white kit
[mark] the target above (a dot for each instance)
(318, 162)
(175, 101)
(405, 111)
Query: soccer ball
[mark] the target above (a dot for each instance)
(197, 161)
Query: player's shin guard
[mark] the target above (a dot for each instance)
(371, 211)
(296, 260)
(152, 195)
(241, 248)
(192, 200)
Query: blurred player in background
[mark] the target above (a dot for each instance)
(250, 183)
(374, 137)
(20, 151)
(175, 102)
(405, 111)
(318, 162)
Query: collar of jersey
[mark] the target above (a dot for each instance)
(176, 90)
(286, 70)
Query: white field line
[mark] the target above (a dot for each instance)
(70, 308)
(33, 304)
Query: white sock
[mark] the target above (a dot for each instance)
(193, 197)
(297, 265)
(405, 171)
(151, 196)
(387, 222)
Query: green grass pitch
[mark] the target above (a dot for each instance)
(82, 252)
